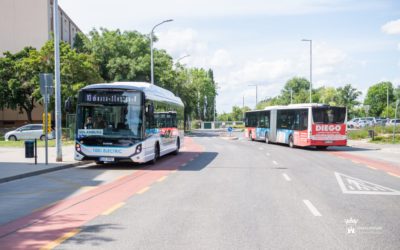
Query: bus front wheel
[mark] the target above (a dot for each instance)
(251, 137)
(291, 143)
(178, 146)
(266, 138)
(156, 153)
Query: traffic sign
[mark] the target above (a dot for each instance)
(46, 81)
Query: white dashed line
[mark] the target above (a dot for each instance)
(311, 207)
(261, 148)
(275, 162)
(268, 154)
(286, 177)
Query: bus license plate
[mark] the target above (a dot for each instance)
(107, 159)
(328, 141)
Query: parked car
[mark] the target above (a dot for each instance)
(353, 123)
(393, 121)
(27, 132)
(362, 123)
(371, 121)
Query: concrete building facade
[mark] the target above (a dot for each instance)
(29, 23)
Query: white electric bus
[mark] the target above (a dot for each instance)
(127, 121)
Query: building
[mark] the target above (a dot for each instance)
(29, 23)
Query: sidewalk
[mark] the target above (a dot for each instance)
(389, 153)
(14, 165)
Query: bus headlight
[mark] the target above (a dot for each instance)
(138, 149)
(78, 147)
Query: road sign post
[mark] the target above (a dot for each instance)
(46, 87)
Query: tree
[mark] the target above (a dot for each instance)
(347, 96)
(377, 97)
(327, 95)
(300, 89)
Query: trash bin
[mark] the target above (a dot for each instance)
(371, 134)
(29, 149)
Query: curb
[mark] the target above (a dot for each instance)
(39, 172)
(229, 138)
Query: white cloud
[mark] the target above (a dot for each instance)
(221, 58)
(392, 27)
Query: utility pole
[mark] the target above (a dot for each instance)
(151, 49)
(291, 96)
(256, 93)
(387, 101)
(309, 40)
(57, 81)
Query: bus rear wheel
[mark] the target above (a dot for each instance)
(291, 143)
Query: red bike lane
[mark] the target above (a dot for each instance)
(41, 228)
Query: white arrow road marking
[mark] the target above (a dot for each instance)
(311, 207)
(351, 185)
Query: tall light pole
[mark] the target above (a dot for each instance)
(151, 48)
(291, 96)
(180, 58)
(309, 40)
(256, 93)
(57, 81)
(387, 101)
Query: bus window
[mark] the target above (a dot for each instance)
(262, 119)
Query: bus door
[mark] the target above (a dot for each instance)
(272, 130)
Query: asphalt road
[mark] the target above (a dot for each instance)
(235, 194)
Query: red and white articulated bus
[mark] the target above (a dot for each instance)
(299, 125)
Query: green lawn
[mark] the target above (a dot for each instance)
(20, 144)
(382, 134)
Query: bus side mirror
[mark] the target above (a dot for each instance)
(68, 105)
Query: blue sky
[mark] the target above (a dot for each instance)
(259, 41)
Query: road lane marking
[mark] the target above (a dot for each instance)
(113, 208)
(162, 179)
(60, 240)
(275, 162)
(371, 167)
(141, 191)
(351, 185)
(311, 207)
(392, 174)
(268, 154)
(260, 148)
(356, 162)
(286, 177)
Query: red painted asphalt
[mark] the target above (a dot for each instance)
(381, 165)
(44, 226)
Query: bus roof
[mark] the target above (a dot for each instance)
(298, 106)
(151, 91)
(293, 106)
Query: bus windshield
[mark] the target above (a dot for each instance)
(110, 115)
(329, 115)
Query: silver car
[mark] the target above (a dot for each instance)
(27, 132)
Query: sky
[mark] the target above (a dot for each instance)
(259, 41)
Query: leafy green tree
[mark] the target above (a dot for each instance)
(347, 96)
(327, 95)
(377, 97)
(299, 87)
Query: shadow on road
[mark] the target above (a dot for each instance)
(167, 162)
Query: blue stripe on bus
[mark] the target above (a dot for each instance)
(260, 132)
(282, 135)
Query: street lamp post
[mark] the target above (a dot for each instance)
(151, 48)
(57, 82)
(309, 40)
(395, 120)
(387, 101)
(256, 93)
(180, 58)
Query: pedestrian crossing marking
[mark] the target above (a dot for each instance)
(352, 185)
